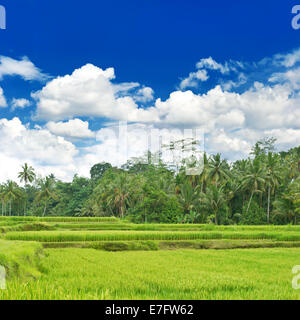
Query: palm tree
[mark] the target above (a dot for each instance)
(27, 175)
(204, 173)
(289, 203)
(272, 179)
(119, 193)
(214, 199)
(188, 196)
(218, 171)
(46, 192)
(2, 197)
(11, 193)
(255, 179)
(240, 170)
(296, 163)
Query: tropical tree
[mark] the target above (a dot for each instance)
(188, 196)
(273, 178)
(288, 204)
(218, 170)
(2, 198)
(255, 179)
(11, 192)
(213, 200)
(27, 175)
(117, 193)
(98, 170)
(46, 191)
(204, 174)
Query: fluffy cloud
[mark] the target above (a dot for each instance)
(292, 77)
(20, 103)
(237, 145)
(231, 84)
(228, 66)
(145, 94)
(3, 102)
(88, 91)
(287, 60)
(192, 79)
(71, 129)
(210, 63)
(45, 151)
(23, 68)
(260, 107)
(231, 146)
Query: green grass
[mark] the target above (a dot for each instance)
(61, 236)
(59, 219)
(109, 258)
(21, 259)
(188, 274)
(169, 227)
(8, 224)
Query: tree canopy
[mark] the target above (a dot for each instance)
(264, 188)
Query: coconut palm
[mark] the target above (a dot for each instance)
(2, 198)
(119, 194)
(204, 174)
(46, 192)
(218, 170)
(289, 203)
(273, 177)
(213, 200)
(27, 175)
(296, 162)
(11, 193)
(188, 197)
(255, 179)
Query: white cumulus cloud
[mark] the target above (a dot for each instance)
(20, 103)
(88, 91)
(75, 128)
(192, 79)
(45, 151)
(23, 68)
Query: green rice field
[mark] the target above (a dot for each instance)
(105, 258)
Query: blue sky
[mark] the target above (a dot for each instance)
(227, 67)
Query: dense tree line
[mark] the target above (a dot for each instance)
(265, 188)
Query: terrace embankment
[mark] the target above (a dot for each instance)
(20, 259)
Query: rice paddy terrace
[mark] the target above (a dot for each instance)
(106, 258)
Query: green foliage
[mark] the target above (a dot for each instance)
(262, 189)
(156, 206)
(20, 259)
(254, 216)
(98, 170)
